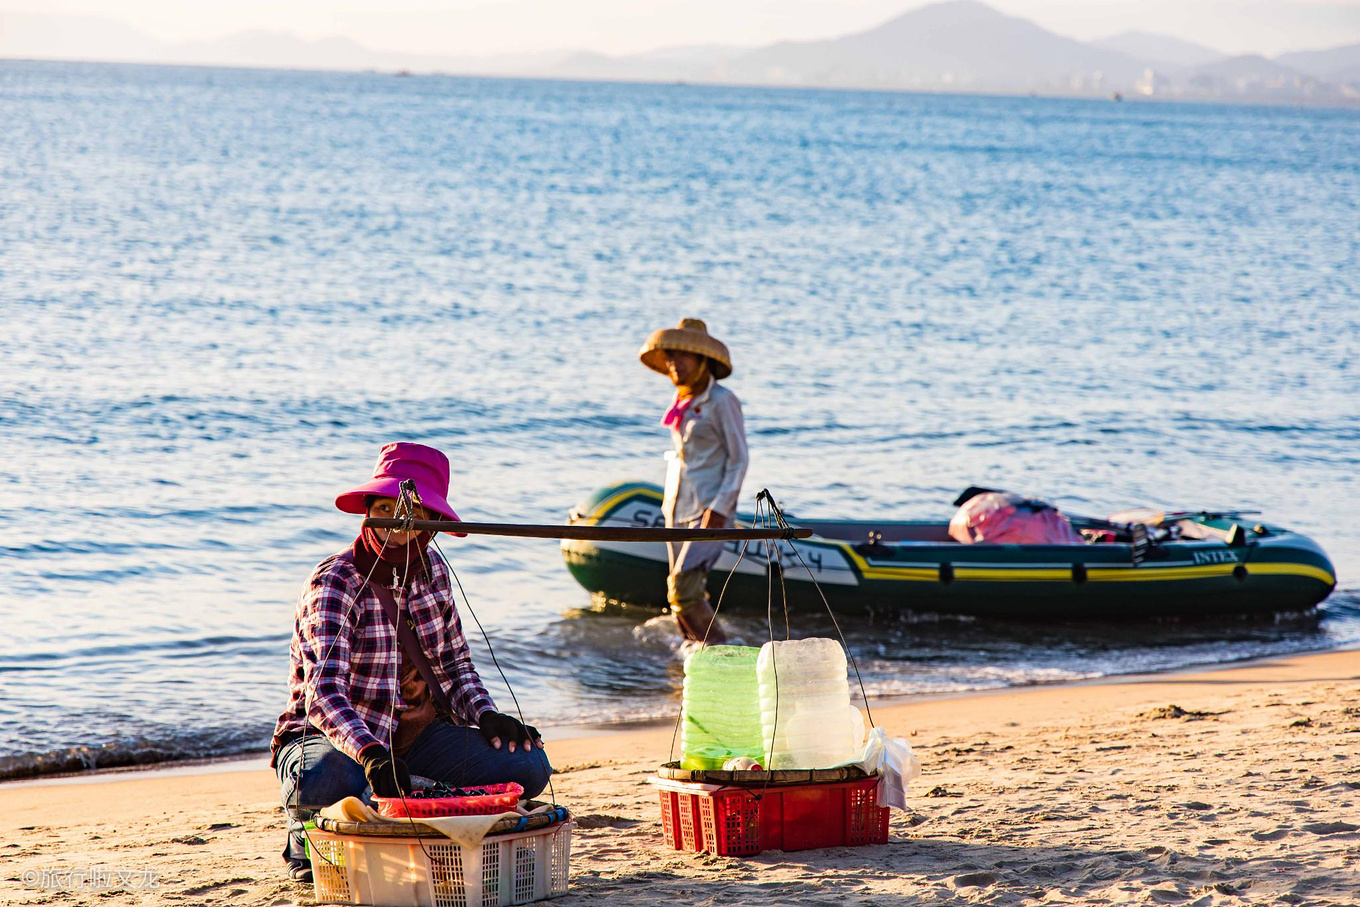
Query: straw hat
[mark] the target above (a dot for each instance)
(690, 337)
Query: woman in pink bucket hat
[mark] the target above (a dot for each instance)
(382, 685)
(427, 467)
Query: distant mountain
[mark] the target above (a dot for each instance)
(958, 44)
(965, 45)
(1349, 77)
(1248, 67)
(1254, 76)
(1160, 50)
(1340, 64)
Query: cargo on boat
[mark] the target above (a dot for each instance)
(1184, 565)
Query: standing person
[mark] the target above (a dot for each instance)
(707, 464)
(382, 685)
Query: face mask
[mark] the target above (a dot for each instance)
(399, 560)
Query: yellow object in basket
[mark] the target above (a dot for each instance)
(352, 809)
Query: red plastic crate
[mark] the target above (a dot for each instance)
(740, 821)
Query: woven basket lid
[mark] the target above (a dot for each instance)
(414, 828)
(672, 771)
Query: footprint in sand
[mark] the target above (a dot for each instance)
(217, 886)
(189, 840)
(601, 820)
(1275, 835)
(974, 879)
(1331, 828)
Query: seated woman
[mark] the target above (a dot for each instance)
(369, 706)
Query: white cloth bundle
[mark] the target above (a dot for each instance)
(892, 760)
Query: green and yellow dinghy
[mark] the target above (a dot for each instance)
(1209, 564)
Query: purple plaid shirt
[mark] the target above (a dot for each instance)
(345, 658)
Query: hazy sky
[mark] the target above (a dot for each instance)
(622, 26)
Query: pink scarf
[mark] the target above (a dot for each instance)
(676, 413)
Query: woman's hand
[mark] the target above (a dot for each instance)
(386, 774)
(496, 727)
(712, 520)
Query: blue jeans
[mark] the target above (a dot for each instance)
(457, 756)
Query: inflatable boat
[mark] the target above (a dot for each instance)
(1180, 565)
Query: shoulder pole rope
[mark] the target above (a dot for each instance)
(741, 555)
(404, 521)
(306, 707)
(406, 513)
(779, 517)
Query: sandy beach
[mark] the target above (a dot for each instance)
(1233, 786)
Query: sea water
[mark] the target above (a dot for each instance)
(223, 290)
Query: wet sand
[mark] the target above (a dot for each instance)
(1234, 786)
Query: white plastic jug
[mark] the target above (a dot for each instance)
(805, 713)
(720, 715)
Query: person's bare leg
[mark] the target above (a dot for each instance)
(687, 593)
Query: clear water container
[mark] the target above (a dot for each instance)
(721, 707)
(806, 717)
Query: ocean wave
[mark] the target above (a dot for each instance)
(92, 758)
(141, 649)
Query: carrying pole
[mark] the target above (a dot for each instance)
(590, 533)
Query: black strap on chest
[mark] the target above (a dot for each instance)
(409, 642)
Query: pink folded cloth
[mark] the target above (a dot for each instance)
(676, 412)
(1002, 518)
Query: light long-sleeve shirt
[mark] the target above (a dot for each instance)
(708, 462)
(344, 657)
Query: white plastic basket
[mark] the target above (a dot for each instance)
(395, 872)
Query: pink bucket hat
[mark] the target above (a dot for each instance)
(426, 466)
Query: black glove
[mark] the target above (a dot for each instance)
(496, 727)
(385, 773)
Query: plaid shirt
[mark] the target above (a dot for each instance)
(345, 659)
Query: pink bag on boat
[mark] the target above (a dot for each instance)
(1002, 518)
